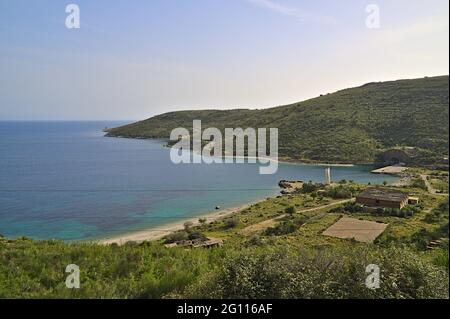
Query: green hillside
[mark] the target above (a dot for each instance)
(348, 126)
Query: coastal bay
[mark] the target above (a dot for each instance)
(65, 180)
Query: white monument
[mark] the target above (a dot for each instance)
(327, 176)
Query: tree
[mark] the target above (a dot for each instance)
(309, 187)
(231, 223)
(177, 236)
(187, 225)
(255, 240)
(290, 210)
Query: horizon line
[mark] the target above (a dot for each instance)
(220, 109)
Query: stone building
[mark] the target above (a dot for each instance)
(380, 197)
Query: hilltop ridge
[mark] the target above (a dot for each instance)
(352, 125)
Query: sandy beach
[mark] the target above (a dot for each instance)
(282, 160)
(159, 232)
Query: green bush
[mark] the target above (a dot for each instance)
(195, 235)
(353, 208)
(322, 274)
(231, 222)
(283, 228)
(309, 187)
(441, 257)
(290, 210)
(177, 236)
(342, 191)
(255, 240)
(418, 183)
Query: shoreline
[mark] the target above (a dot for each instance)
(281, 160)
(158, 232)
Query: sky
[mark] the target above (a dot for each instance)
(133, 59)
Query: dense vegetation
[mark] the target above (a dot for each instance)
(274, 248)
(30, 269)
(352, 125)
(36, 269)
(407, 211)
(285, 273)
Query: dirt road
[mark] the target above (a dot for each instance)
(271, 222)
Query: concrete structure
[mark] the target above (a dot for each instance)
(397, 156)
(211, 242)
(380, 197)
(360, 230)
(390, 170)
(197, 243)
(327, 176)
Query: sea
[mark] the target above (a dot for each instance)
(66, 180)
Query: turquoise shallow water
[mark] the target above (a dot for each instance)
(65, 180)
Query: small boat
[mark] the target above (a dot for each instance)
(217, 207)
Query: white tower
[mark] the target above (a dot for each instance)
(327, 176)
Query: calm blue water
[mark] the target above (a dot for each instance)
(65, 180)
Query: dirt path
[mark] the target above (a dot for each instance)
(430, 188)
(428, 184)
(271, 222)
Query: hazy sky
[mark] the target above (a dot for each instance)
(132, 59)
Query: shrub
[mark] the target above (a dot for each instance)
(353, 208)
(283, 228)
(231, 222)
(309, 187)
(329, 273)
(423, 237)
(343, 191)
(299, 221)
(441, 258)
(337, 210)
(196, 235)
(176, 236)
(187, 225)
(418, 183)
(290, 210)
(255, 240)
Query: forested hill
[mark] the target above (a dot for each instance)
(348, 126)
